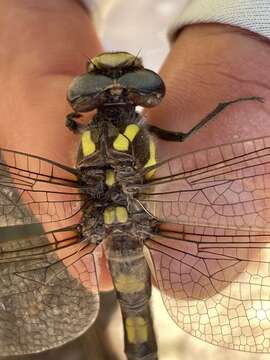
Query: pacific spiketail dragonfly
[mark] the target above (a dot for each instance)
(196, 224)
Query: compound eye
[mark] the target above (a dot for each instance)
(144, 87)
(87, 92)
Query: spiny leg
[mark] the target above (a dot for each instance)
(179, 136)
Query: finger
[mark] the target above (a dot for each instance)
(209, 64)
(44, 45)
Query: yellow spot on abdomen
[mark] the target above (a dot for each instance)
(115, 214)
(110, 177)
(131, 131)
(109, 215)
(152, 159)
(136, 329)
(128, 284)
(121, 214)
(88, 146)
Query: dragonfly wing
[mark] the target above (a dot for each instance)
(226, 186)
(48, 291)
(48, 284)
(33, 189)
(215, 284)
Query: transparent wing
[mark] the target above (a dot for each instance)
(211, 255)
(215, 284)
(48, 285)
(48, 290)
(226, 186)
(49, 191)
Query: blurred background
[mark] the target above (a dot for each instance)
(139, 27)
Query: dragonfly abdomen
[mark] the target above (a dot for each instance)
(132, 282)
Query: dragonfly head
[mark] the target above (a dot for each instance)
(117, 78)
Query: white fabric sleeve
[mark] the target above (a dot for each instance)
(253, 15)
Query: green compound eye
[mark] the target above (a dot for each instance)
(144, 87)
(87, 92)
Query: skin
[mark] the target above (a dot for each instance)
(44, 45)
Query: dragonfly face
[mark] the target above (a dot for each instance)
(203, 216)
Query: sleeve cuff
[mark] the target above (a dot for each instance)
(247, 14)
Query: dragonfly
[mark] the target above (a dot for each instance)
(196, 225)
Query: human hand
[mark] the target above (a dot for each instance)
(43, 46)
(209, 64)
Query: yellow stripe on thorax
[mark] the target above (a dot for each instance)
(136, 329)
(131, 131)
(88, 146)
(152, 158)
(121, 142)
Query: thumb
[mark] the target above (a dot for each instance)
(43, 47)
(207, 65)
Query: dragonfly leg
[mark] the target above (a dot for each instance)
(73, 125)
(180, 136)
